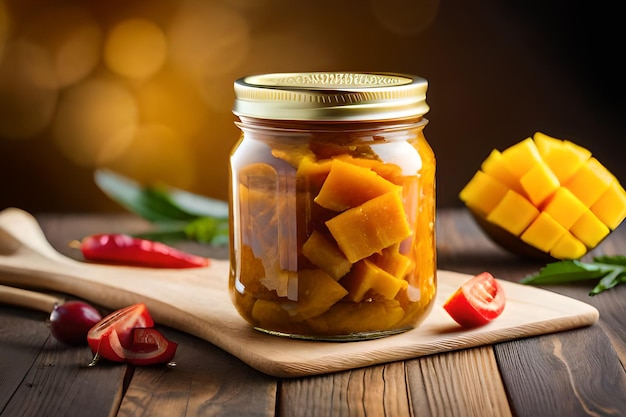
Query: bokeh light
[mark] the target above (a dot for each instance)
(5, 26)
(95, 122)
(135, 48)
(173, 100)
(27, 94)
(71, 39)
(146, 87)
(208, 39)
(157, 154)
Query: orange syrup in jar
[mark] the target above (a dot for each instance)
(332, 205)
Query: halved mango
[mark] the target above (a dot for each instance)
(559, 201)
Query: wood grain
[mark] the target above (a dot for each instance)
(373, 391)
(196, 301)
(572, 359)
(460, 383)
(56, 380)
(206, 381)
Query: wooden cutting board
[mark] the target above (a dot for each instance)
(196, 301)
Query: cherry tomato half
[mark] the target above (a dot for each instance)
(477, 302)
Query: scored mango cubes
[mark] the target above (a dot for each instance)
(547, 193)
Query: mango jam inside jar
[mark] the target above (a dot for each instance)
(332, 205)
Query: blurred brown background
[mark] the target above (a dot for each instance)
(144, 87)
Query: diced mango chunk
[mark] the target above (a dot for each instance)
(514, 213)
(370, 227)
(349, 185)
(590, 182)
(543, 232)
(562, 156)
(324, 253)
(539, 183)
(611, 206)
(345, 318)
(521, 157)
(495, 166)
(482, 193)
(392, 261)
(568, 247)
(317, 292)
(564, 207)
(312, 171)
(589, 229)
(366, 276)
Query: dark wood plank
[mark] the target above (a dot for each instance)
(206, 381)
(461, 383)
(575, 373)
(23, 334)
(56, 381)
(373, 391)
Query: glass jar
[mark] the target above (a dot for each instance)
(332, 205)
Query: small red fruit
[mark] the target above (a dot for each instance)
(477, 302)
(70, 322)
(127, 335)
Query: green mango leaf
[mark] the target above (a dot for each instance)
(178, 214)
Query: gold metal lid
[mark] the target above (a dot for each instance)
(331, 96)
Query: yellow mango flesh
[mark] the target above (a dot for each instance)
(549, 194)
(349, 185)
(370, 227)
(514, 213)
(521, 157)
(590, 182)
(325, 254)
(589, 229)
(380, 227)
(543, 232)
(611, 206)
(365, 277)
(562, 156)
(483, 185)
(539, 183)
(495, 167)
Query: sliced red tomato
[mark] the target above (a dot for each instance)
(149, 347)
(127, 335)
(477, 302)
(122, 322)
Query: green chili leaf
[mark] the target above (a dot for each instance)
(610, 280)
(612, 260)
(208, 230)
(609, 270)
(177, 214)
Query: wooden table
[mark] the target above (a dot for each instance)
(573, 373)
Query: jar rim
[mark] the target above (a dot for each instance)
(331, 96)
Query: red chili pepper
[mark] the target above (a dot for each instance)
(128, 250)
